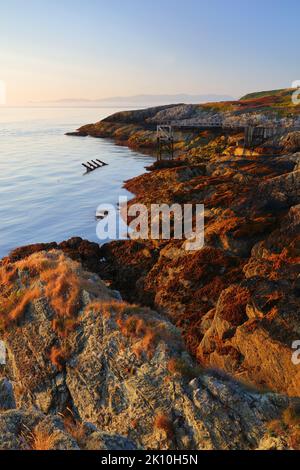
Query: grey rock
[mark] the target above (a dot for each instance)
(7, 399)
(25, 430)
(104, 441)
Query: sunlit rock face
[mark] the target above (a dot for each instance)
(88, 371)
(251, 196)
(199, 353)
(251, 243)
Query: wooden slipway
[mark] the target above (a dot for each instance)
(93, 165)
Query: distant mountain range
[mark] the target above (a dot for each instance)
(137, 100)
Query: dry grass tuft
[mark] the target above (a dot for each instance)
(288, 426)
(62, 288)
(291, 416)
(145, 332)
(18, 311)
(58, 357)
(76, 429)
(43, 441)
(163, 423)
(13, 303)
(38, 440)
(107, 308)
(48, 274)
(180, 367)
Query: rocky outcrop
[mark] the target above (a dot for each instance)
(286, 187)
(235, 301)
(255, 323)
(291, 142)
(137, 128)
(89, 368)
(32, 430)
(86, 370)
(84, 251)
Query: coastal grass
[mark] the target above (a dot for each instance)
(145, 332)
(50, 275)
(163, 422)
(37, 439)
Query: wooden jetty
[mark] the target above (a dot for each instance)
(165, 141)
(254, 133)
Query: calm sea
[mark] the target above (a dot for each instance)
(44, 194)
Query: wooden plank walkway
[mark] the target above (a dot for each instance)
(264, 131)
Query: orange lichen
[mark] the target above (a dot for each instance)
(280, 259)
(205, 264)
(221, 226)
(254, 227)
(233, 304)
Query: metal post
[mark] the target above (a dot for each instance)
(165, 141)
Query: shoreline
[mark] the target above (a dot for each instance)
(244, 208)
(215, 325)
(249, 199)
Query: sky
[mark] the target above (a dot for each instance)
(93, 49)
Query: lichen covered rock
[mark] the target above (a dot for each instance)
(121, 368)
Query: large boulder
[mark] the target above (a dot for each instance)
(256, 322)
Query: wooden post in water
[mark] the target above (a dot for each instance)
(165, 141)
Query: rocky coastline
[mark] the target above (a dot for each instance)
(141, 344)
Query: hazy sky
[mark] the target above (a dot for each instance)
(54, 49)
